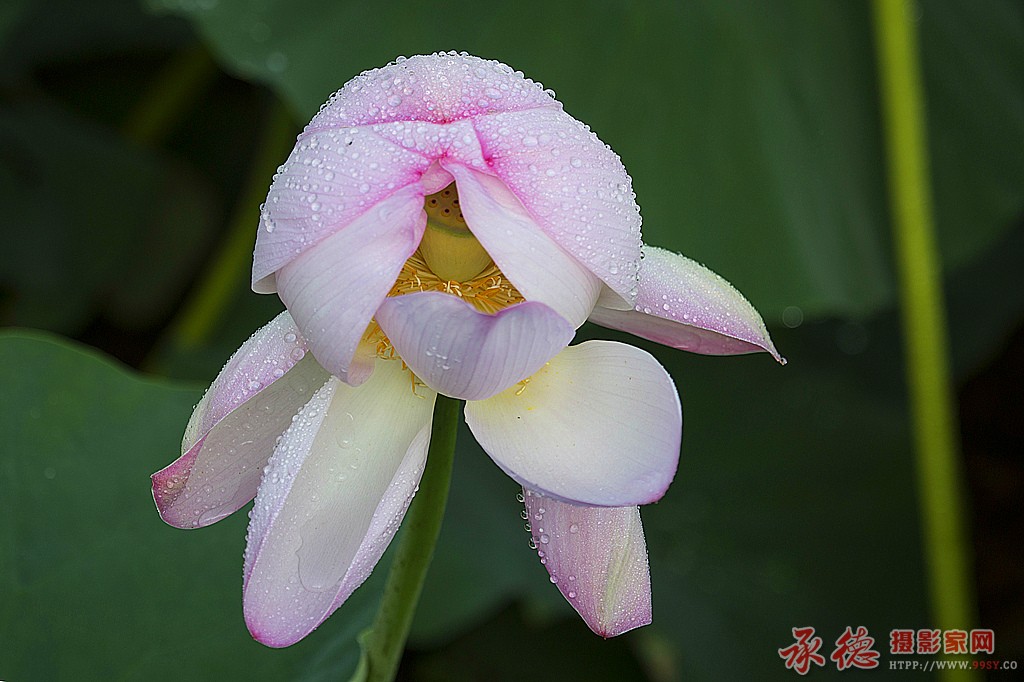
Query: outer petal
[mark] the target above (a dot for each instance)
(597, 557)
(540, 269)
(331, 499)
(685, 305)
(331, 179)
(377, 134)
(573, 185)
(467, 354)
(600, 424)
(232, 431)
(437, 88)
(334, 289)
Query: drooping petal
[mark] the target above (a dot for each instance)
(232, 431)
(334, 289)
(599, 424)
(597, 556)
(573, 185)
(538, 267)
(331, 178)
(331, 500)
(685, 305)
(466, 354)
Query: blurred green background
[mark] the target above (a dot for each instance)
(137, 140)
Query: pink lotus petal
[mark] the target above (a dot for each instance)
(685, 305)
(332, 179)
(438, 88)
(597, 557)
(232, 431)
(331, 500)
(573, 185)
(381, 132)
(463, 353)
(540, 269)
(333, 290)
(599, 424)
(390, 128)
(456, 141)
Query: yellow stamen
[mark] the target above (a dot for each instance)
(485, 288)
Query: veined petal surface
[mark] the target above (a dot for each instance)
(232, 431)
(538, 267)
(463, 353)
(600, 424)
(333, 290)
(330, 180)
(597, 556)
(573, 185)
(685, 305)
(331, 500)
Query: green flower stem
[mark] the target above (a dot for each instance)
(384, 642)
(232, 262)
(927, 356)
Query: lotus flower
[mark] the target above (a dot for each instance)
(443, 226)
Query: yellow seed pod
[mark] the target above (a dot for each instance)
(448, 247)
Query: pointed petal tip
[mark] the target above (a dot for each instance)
(597, 557)
(684, 305)
(262, 638)
(275, 638)
(168, 483)
(609, 630)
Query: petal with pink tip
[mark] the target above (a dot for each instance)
(466, 354)
(232, 431)
(333, 289)
(332, 178)
(573, 186)
(437, 88)
(331, 500)
(597, 556)
(685, 305)
(538, 267)
(599, 424)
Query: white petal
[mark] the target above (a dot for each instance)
(600, 424)
(232, 431)
(331, 500)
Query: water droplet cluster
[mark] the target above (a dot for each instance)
(721, 320)
(332, 498)
(596, 557)
(437, 88)
(387, 129)
(234, 427)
